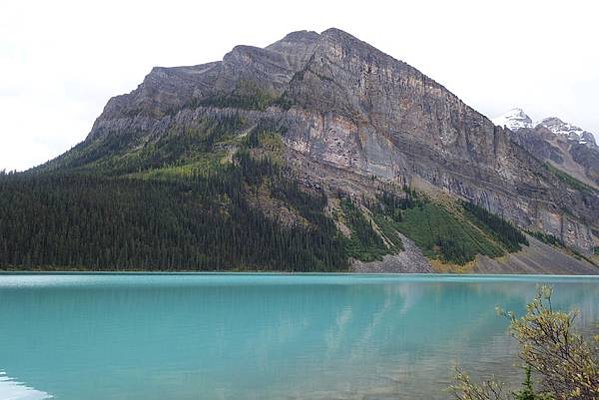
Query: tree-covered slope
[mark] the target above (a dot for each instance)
(301, 156)
(167, 215)
(202, 210)
(218, 197)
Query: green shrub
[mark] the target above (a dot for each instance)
(566, 365)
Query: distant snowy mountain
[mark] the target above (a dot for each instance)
(563, 145)
(514, 119)
(569, 131)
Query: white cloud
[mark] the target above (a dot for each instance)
(60, 61)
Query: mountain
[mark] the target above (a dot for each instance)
(514, 119)
(560, 144)
(569, 131)
(318, 152)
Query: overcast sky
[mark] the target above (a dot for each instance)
(60, 61)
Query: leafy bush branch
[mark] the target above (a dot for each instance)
(564, 363)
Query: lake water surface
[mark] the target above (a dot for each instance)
(260, 336)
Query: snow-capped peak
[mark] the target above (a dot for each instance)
(569, 131)
(514, 119)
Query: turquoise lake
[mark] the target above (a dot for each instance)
(261, 336)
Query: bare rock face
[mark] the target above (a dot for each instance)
(168, 90)
(588, 158)
(561, 144)
(564, 147)
(351, 108)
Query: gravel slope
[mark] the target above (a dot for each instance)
(538, 258)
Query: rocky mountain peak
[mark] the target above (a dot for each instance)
(514, 119)
(300, 36)
(346, 115)
(336, 32)
(569, 131)
(295, 42)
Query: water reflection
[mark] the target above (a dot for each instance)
(11, 389)
(261, 337)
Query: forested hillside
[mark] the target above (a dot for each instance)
(316, 153)
(183, 218)
(194, 222)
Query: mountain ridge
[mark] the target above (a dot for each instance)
(561, 144)
(342, 120)
(516, 119)
(379, 81)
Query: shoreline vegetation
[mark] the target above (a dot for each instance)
(557, 361)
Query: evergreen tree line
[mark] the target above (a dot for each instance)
(91, 221)
(438, 230)
(365, 243)
(510, 236)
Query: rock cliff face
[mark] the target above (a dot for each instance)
(350, 113)
(579, 160)
(563, 145)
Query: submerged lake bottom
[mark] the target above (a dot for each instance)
(262, 336)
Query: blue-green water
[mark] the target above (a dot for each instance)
(257, 336)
